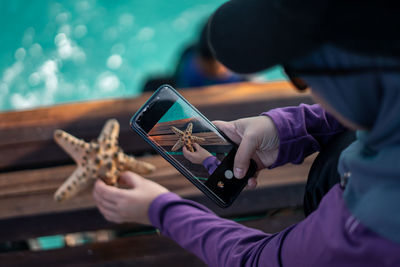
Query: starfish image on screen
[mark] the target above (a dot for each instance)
(185, 138)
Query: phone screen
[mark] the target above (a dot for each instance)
(182, 133)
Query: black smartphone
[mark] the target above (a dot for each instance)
(169, 123)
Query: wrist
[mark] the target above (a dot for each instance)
(274, 139)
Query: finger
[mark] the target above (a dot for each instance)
(229, 129)
(98, 192)
(252, 183)
(197, 147)
(260, 164)
(186, 153)
(243, 155)
(110, 215)
(104, 203)
(107, 192)
(114, 219)
(217, 122)
(107, 211)
(131, 179)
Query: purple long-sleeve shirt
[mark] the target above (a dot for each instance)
(330, 236)
(211, 163)
(302, 130)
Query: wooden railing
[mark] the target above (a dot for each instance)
(32, 166)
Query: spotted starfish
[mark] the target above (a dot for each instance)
(98, 159)
(185, 138)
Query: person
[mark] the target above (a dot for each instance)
(196, 67)
(355, 82)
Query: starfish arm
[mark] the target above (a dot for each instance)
(198, 139)
(77, 182)
(110, 131)
(177, 131)
(190, 147)
(132, 164)
(108, 171)
(75, 147)
(189, 128)
(177, 145)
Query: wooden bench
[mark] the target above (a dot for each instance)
(32, 166)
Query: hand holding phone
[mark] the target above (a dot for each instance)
(192, 144)
(258, 138)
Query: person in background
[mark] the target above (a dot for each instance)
(196, 67)
(346, 52)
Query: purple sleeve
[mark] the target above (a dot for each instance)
(329, 237)
(302, 130)
(211, 163)
(217, 241)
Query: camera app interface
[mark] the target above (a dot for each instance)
(190, 139)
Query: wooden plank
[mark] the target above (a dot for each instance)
(27, 208)
(212, 139)
(26, 136)
(212, 95)
(20, 192)
(250, 202)
(165, 127)
(147, 250)
(163, 135)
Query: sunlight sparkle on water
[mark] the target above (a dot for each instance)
(108, 82)
(114, 62)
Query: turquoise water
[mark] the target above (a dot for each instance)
(61, 51)
(178, 111)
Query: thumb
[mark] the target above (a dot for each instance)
(229, 129)
(197, 147)
(186, 152)
(243, 155)
(130, 179)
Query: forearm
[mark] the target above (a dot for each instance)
(217, 241)
(302, 130)
(330, 236)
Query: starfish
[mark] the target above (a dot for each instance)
(185, 138)
(98, 159)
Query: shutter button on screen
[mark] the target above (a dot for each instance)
(228, 174)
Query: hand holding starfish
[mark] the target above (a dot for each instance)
(99, 159)
(185, 138)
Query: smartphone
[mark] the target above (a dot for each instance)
(168, 122)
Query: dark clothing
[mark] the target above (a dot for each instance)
(189, 73)
(252, 35)
(323, 173)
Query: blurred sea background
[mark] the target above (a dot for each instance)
(55, 52)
